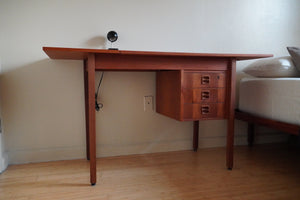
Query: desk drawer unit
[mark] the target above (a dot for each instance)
(191, 95)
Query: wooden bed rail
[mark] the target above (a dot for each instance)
(253, 119)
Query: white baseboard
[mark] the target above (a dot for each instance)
(45, 155)
(3, 162)
(105, 150)
(220, 141)
(143, 148)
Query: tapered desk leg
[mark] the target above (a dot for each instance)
(90, 109)
(85, 74)
(195, 135)
(230, 121)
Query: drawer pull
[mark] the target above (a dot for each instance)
(204, 109)
(205, 80)
(205, 95)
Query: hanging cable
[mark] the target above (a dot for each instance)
(98, 106)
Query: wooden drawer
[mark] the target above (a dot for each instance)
(191, 95)
(192, 79)
(204, 111)
(201, 95)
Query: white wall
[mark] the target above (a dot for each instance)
(3, 155)
(43, 99)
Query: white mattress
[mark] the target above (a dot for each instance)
(273, 98)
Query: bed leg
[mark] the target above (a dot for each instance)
(251, 129)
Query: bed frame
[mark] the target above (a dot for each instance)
(256, 120)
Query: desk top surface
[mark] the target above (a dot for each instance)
(81, 54)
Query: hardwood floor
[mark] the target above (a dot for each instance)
(261, 173)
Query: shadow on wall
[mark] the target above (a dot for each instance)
(96, 42)
(44, 119)
(38, 102)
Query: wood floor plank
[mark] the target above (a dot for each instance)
(263, 172)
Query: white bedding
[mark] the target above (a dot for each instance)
(273, 98)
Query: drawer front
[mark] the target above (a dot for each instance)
(203, 95)
(204, 111)
(204, 79)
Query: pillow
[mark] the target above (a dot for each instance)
(295, 53)
(273, 67)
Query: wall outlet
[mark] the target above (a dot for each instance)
(148, 103)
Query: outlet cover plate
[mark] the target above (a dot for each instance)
(148, 103)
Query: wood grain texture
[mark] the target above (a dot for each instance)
(230, 111)
(206, 95)
(92, 118)
(82, 54)
(132, 62)
(210, 70)
(205, 79)
(195, 135)
(180, 94)
(203, 111)
(168, 93)
(264, 172)
(86, 103)
(282, 126)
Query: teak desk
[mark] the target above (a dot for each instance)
(189, 86)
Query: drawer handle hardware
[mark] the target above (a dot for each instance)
(205, 95)
(205, 80)
(204, 109)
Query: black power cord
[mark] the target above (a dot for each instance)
(99, 105)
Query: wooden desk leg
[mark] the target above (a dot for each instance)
(91, 116)
(195, 135)
(230, 121)
(85, 74)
